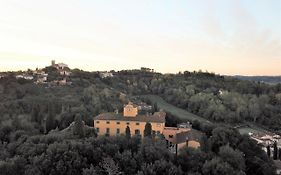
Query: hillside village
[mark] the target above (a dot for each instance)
(110, 108)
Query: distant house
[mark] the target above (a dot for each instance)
(65, 72)
(62, 82)
(265, 138)
(177, 138)
(144, 107)
(42, 78)
(105, 74)
(27, 77)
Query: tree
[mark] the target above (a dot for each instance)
(191, 160)
(90, 171)
(222, 136)
(127, 162)
(109, 166)
(128, 132)
(279, 155)
(78, 128)
(275, 151)
(35, 113)
(50, 121)
(147, 130)
(160, 167)
(268, 151)
(204, 145)
(217, 166)
(233, 157)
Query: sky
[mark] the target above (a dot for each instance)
(223, 36)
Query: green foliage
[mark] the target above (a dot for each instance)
(50, 121)
(217, 166)
(78, 127)
(224, 136)
(232, 157)
(147, 130)
(199, 97)
(191, 160)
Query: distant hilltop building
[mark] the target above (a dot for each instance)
(114, 123)
(59, 66)
(62, 68)
(105, 74)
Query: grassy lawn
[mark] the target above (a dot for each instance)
(178, 112)
(246, 130)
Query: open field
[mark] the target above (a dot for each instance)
(247, 129)
(180, 113)
(183, 114)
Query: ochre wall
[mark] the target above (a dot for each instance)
(193, 144)
(130, 111)
(173, 131)
(102, 125)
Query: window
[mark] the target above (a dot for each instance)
(153, 132)
(118, 123)
(107, 130)
(97, 122)
(128, 123)
(107, 122)
(171, 136)
(137, 132)
(98, 130)
(117, 131)
(137, 123)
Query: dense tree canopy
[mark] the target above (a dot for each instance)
(48, 129)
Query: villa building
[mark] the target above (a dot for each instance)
(178, 137)
(112, 124)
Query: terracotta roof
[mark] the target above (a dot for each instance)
(182, 137)
(156, 118)
(187, 135)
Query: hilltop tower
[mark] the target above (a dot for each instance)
(130, 110)
(53, 62)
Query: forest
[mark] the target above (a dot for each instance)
(48, 129)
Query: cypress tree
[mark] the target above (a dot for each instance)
(268, 150)
(50, 121)
(275, 151)
(78, 128)
(147, 130)
(128, 132)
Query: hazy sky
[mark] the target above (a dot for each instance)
(222, 36)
